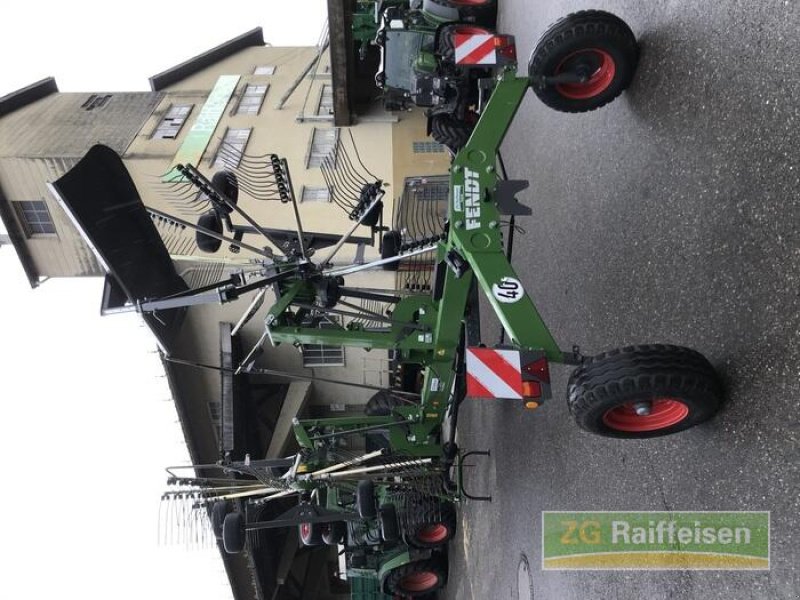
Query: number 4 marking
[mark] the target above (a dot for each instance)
(509, 290)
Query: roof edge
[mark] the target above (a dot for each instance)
(27, 95)
(254, 37)
(18, 237)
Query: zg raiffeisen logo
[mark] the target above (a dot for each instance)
(655, 540)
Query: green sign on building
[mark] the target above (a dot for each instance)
(196, 141)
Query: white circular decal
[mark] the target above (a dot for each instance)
(509, 290)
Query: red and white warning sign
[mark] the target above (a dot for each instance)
(494, 373)
(475, 49)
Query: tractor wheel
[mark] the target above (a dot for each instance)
(416, 579)
(392, 240)
(591, 43)
(310, 534)
(435, 527)
(333, 533)
(226, 182)
(450, 132)
(218, 513)
(381, 404)
(644, 391)
(365, 499)
(233, 533)
(209, 220)
(482, 12)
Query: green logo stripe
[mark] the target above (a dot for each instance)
(655, 540)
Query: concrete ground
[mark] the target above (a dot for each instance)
(671, 216)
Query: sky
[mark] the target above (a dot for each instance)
(88, 422)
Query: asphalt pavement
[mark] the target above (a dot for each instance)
(669, 216)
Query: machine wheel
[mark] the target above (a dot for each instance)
(381, 404)
(592, 43)
(450, 132)
(435, 527)
(644, 391)
(333, 533)
(218, 513)
(365, 499)
(208, 220)
(233, 533)
(390, 531)
(310, 534)
(390, 247)
(483, 12)
(416, 579)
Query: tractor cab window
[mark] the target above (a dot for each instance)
(402, 51)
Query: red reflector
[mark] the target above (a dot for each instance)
(539, 369)
(531, 389)
(505, 46)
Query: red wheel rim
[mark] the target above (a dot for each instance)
(433, 534)
(305, 530)
(664, 412)
(469, 2)
(602, 70)
(470, 30)
(419, 582)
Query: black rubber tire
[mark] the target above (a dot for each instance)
(227, 183)
(398, 581)
(218, 513)
(435, 526)
(209, 220)
(390, 529)
(381, 404)
(588, 32)
(365, 499)
(234, 535)
(390, 247)
(311, 534)
(602, 390)
(333, 533)
(450, 132)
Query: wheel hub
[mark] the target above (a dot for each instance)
(419, 582)
(595, 69)
(660, 413)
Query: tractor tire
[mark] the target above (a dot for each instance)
(416, 579)
(592, 42)
(310, 534)
(450, 132)
(390, 530)
(333, 533)
(480, 12)
(218, 513)
(390, 247)
(208, 220)
(234, 535)
(381, 404)
(226, 183)
(436, 526)
(365, 499)
(643, 391)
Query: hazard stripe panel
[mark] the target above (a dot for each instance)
(475, 49)
(493, 373)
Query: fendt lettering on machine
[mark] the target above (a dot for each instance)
(385, 485)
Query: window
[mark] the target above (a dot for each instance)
(323, 142)
(320, 355)
(426, 147)
(326, 100)
(230, 151)
(35, 217)
(96, 101)
(171, 124)
(264, 70)
(251, 100)
(315, 194)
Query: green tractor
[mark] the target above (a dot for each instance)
(449, 67)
